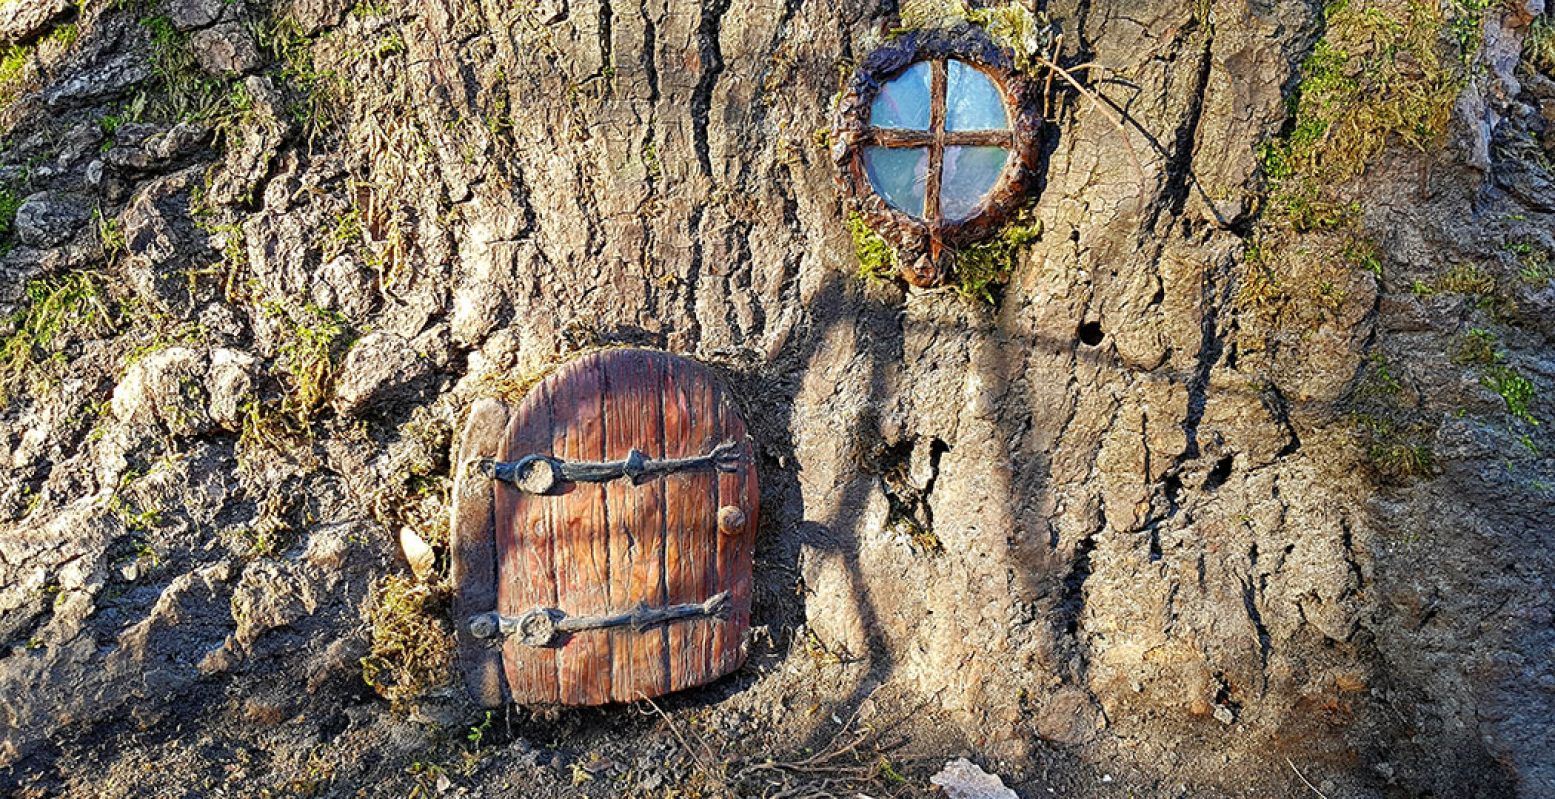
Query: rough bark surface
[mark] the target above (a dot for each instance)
(1161, 556)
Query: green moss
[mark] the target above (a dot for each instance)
(1379, 383)
(187, 91)
(1533, 264)
(922, 540)
(1380, 75)
(876, 259)
(1539, 45)
(1514, 389)
(135, 517)
(975, 270)
(323, 91)
(55, 310)
(978, 269)
(1466, 279)
(1395, 438)
(10, 201)
(651, 163)
(17, 61)
(1362, 253)
(1398, 452)
(370, 8)
(1026, 34)
(1476, 347)
(13, 67)
(411, 648)
(314, 338)
(1480, 347)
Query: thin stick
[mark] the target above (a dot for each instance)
(674, 728)
(1096, 98)
(1047, 88)
(1304, 780)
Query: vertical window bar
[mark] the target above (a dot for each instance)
(931, 213)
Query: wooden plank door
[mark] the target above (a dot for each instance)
(593, 549)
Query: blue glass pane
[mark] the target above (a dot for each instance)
(972, 102)
(898, 175)
(903, 102)
(969, 173)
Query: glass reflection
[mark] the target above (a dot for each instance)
(969, 173)
(898, 175)
(903, 102)
(972, 102)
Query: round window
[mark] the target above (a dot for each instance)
(936, 144)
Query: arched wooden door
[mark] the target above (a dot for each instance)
(603, 534)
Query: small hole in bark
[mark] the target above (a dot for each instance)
(1090, 334)
(1219, 474)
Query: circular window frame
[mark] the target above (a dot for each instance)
(924, 242)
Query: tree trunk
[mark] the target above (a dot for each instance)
(1105, 522)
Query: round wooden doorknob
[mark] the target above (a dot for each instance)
(731, 520)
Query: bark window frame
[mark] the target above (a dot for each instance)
(926, 243)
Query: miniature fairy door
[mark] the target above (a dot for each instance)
(603, 534)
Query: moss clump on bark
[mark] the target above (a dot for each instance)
(10, 201)
(876, 259)
(1381, 74)
(975, 270)
(315, 339)
(1539, 46)
(1396, 441)
(411, 650)
(18, 63)
(981, 267)
(56, 310)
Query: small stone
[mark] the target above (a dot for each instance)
(1224, 714)
(418, 553)
(963, 779)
